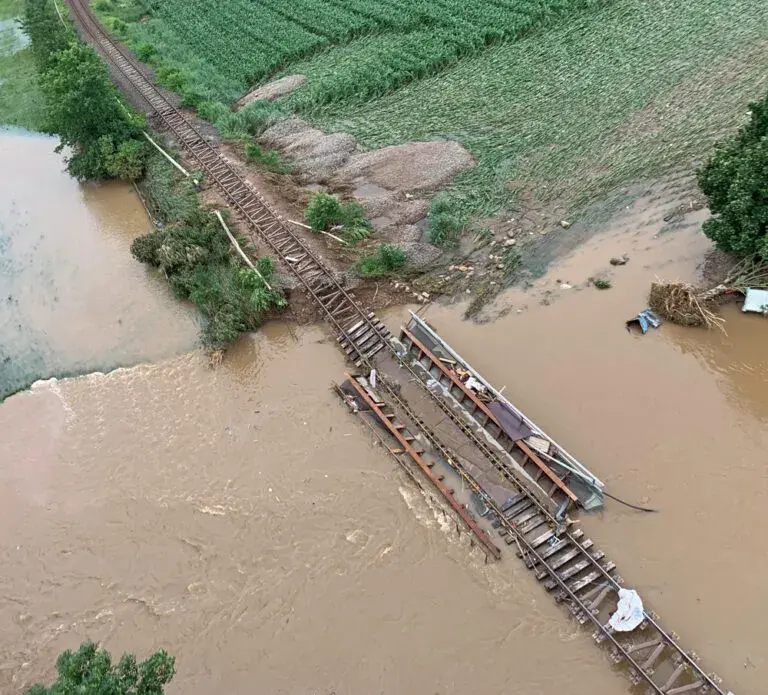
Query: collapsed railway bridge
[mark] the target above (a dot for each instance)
(394, 374)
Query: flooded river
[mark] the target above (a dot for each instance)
(72, 299)
(241, 519)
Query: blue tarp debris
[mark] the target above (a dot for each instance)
(645, 319)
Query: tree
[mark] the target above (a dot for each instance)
(46, 32)
(735, 181)
(90, 671)
(82, 108)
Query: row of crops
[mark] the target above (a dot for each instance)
(230, 45)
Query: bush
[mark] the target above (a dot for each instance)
(445, 223)
(90, 671)
(388, 259)
(735, 181)
(145, 52)
(325, 211)
(195, 255)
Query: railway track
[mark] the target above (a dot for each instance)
(360, 333)
(567, 564)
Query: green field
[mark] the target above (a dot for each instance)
(20, 98)
(227, 46)
(567, 99)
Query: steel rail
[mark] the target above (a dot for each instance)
(319, 281)
(267, 223)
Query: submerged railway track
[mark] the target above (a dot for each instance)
(563, 560)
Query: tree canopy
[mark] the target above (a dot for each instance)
(82, 105)
(90, 671)
(735, 181)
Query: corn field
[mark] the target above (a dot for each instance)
(234, 44)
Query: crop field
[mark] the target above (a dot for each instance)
(230, 44)
(616, 94)
(567, 99)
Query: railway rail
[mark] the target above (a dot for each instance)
(566, 563)
(360, 333)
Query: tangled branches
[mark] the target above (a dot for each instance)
(687, 305)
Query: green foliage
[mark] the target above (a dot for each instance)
(445, 222)
(195, 255)
(735, 181)
(249, 122)
(325, 211)
(268, 159)
(602, 284)
(145, 52)
(90, 671)
(46, 33)
(402, 40)
(81, 104)
(388, 259)
(171, 77)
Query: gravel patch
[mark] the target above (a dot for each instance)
(409, 168)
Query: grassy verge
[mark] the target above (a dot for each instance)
(21, 102)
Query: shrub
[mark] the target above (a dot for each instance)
(325, 211)
(90, 671)
(388, 259)
(735, 181)
(145, 52)
(602, 284)
(445, 223)
(195, 255)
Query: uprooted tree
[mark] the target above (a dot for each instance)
(90, 671)
(735, 181)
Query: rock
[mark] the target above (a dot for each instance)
(510, 242)
(623, 260)
(565, 224)
(565, 286)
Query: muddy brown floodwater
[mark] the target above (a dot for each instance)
(72, 299)
(241, 519)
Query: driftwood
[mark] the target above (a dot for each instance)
(688, 305)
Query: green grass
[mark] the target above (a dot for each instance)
(21, 102)
(613, 95)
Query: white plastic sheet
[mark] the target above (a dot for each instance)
(629, 612)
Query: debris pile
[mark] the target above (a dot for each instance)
(687, 305)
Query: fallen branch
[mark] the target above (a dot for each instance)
(333, 236)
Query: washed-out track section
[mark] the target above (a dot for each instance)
(360, 333)
(568, 565)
